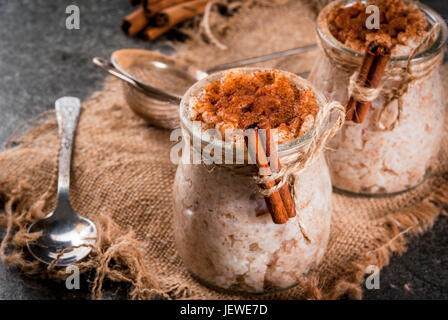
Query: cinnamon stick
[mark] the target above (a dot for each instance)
(371, 72)
(275, 165)
(152, 7)
(134, 22)
(274, 201)
(175, 15)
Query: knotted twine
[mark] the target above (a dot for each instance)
(405, 77)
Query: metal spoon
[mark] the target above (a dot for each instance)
(63, 228)
(186, 71)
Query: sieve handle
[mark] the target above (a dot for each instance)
(150, 91)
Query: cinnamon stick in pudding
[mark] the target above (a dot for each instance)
(134, 22)
(371, 72)
(274, 201)
(275, 165)
(175, 15)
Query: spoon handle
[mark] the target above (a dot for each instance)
(67, 113)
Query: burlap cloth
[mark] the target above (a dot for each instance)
(122, 179)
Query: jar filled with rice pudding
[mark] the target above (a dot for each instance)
(392, 149)
(224, 227)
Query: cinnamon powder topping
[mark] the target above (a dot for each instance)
(401, 24)
(240, 100)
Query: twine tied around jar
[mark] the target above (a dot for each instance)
(404, 77)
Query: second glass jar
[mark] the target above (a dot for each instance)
(364, 158)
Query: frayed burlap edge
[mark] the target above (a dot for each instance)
(117, 256)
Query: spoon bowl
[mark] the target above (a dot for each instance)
(76, 233)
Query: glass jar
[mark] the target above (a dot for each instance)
(392, 150)
(223, 230)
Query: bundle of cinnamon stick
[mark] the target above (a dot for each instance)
(370, 74)
(263, 150)
(155, 17)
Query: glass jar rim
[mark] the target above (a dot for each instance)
(196, 89)
(431, 15)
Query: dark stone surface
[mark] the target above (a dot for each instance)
(40, 60)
